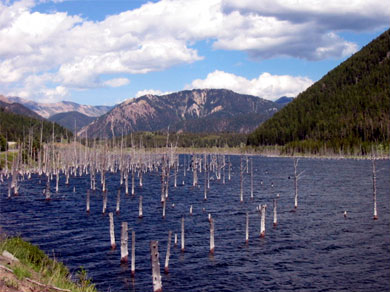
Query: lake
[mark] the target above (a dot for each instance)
(312, 249)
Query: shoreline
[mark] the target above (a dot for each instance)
(25, 267)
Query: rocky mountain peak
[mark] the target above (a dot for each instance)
(197, 110)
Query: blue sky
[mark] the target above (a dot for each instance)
(103, 52)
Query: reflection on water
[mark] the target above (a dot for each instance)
(313, 249)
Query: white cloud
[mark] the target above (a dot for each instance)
(76, 52)
(266, 86)
(354, 15)
(117, 82)
(152, 92)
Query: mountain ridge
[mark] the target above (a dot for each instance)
(47, 110)
(17, 108)
(72, 121)
(153, 113)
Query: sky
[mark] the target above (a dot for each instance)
(103, 52)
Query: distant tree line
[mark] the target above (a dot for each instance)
(196, 140)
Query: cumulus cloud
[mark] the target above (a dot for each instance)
(117, 82)
(354, 15)
(77, 52)
(266, 86)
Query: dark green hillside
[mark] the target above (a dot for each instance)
(347, 110)
(16, 127)
(71, 119)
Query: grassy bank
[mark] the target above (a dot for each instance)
(35, 271)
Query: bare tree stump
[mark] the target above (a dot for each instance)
(118, 201)
(156, 276)
(182, 234)
(241, 181)
(247, 228)
(140, 211)
(88, 203)
(262, 220)
(374, 187)
(132, 253)
(124, 243)
(112, 231)
(275, 213)
(251, 160)
(104, 202)
(212, 246)
(132, 180)
(166, 267)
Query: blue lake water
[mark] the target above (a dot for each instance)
(312, 249)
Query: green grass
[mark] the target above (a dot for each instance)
(50, 271)
(21, 272)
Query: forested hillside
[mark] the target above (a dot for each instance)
(72, 120)
(14, 127)
(347, 110)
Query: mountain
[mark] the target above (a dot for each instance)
(347, 110)
(46, 110)
(198, 110)
(17, 122)
(71, 119)
(17, 127)
(284, 100)
(17, 108)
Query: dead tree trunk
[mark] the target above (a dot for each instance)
(156, 276)
(374, 186)
(251, 178)
(262, 209)
(104, 202)
(212, 246)
(205, 182)
(112, 232)
(275, 214)
(247, 228)
(296, 179)
(124, 243)
(140, 212)
(88, 204)
(166, 267)
(182, 234)
(229, 169)
(241, 181)
(118, 201)
(132, 253)
(132, 180)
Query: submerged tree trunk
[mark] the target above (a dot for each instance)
(156, 276)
